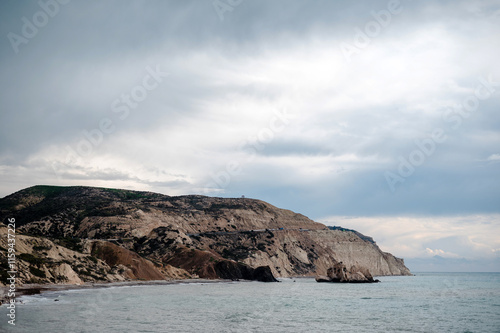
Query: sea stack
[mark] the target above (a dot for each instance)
(340, 273)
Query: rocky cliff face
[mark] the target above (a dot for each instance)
(143, 235)
(40, 260)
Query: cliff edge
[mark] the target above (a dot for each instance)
(81, 234)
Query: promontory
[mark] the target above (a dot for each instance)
(73, 235)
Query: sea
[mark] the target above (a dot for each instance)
(426, 302)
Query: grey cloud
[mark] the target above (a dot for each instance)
(64, 80)
(280, 147)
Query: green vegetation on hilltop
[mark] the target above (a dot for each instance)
(70, 203)
(46, 190)
(360, 235)
(131, 195)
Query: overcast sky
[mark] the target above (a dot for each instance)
(380, 116)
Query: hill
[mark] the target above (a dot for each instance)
(83, 234)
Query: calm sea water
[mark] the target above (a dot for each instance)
(428, 302)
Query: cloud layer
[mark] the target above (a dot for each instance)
(469, 237)
(265, 103)
(434, 243)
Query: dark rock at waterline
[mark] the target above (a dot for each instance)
(322, 278)
(339, 273)
(263, 274)
(227, 269)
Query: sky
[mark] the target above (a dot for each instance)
(381, 116)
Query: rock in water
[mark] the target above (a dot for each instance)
(322, 278)
(264, 274)
(340, 273)
(227, 269)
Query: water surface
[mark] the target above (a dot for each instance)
(427, 302)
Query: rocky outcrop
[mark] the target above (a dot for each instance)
(66, 271)
(208, 265)
(129, 263)
(340, 273)
(178, 237)
(40, 260)
(228, 269)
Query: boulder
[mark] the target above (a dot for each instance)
(228, 269)
(322, 278)
(340, 273)
(264, 274)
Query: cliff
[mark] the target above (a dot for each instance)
(92, 234)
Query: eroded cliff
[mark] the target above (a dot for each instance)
(180, 236)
